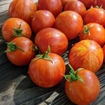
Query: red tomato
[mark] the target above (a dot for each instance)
(95, 15)
(70, 23)
(64, 2)
(45, 73)
(19, 51)
(75, 5)
(99, 3)
(86, 92)
(104, 53)
(23, 9)
(54, 6)
(93, 31)
(57, 41)
(86, 54)
(42, 19)
(88, 3)
(15, 27)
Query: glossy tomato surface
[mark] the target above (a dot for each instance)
(83, 93)
(86, 54)
(99, 3)
(75, 5)
(70, 23)
(88, 3)
(18, 57)
(104, 53)
(57, 40)
(42, 19)
(23, 9)
(95, 15)
(10, 24)
(54, 6)
(45, 73)
(96, 33)
(64, 2)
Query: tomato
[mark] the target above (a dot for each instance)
(99, 3)
(54, 6)
(64, 2)
(47, 73)
(23, 9)
(19, 51)
(83, 93)
(86, 54)
(70, 23)
(39, 20)
(104, 53)
(88, 3)
(57, 41)
(75, 5)
(15, 27)
(95, 15)
(93, 31)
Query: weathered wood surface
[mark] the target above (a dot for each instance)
(17, 89)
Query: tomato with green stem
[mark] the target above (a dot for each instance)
(82, 87)
(20, 51)
(15, 27)
(86, 54)
(57, 40)
(99, 3)
(47, 70)
(93, 31)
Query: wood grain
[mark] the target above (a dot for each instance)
(16, 88)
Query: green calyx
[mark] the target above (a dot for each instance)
(18, 31)
(35, 48)
(44, 56)
(99, 7)
(12, 47)
(73, 76)
(86, 30)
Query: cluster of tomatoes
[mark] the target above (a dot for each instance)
(54, 22)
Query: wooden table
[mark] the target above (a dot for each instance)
(17, 89)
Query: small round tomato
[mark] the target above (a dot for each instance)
(88, 3)
(54, 6)
(47, 71)
(104, 53)
(39, 20)
(85, 91)
(19, 51)
(23, 9)
(57, 41)
(95, 15)
(70, 23)
(93, 31)
(15, 27)
(99, 3)
(75, 5)
(86, 54)
(64, 2)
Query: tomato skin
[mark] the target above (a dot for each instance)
(23, 9)
(97, 33)
(57, 41)
(99, 3)
(88, 3)
(64, 2)
(7, 28)
(95, 15)
(83, 93)
(54, 6)
(70, 23)
(19, 57)
(86, 54)
(75, 5)
(104, 53)
(39, 20)
(46, 74)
